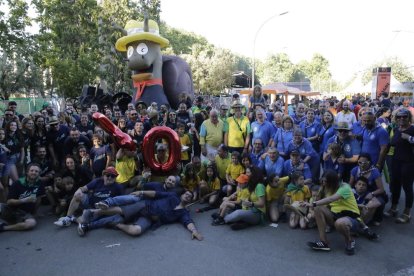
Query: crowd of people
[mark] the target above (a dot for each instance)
(321, 163)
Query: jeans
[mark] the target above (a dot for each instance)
(122, 200)
(248, 216)
(105, 221)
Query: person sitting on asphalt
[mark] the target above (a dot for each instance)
(97, 190)
(136, 213)
(343, 213)
(23, 198)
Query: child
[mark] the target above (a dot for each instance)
(191, 180)
(315, 190)
(297, 192)
(233, 171)
(210, 183)
(100, 156)
(62, 193)
(186, 144)
(367, 206)
(275, 191)
(334, 151)
(234, 201)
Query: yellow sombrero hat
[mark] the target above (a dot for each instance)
(137, 30)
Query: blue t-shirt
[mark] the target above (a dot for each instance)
(288, 169)
(305, 148)
(264, 131)
(100, 191)
(326, 133)
(163, 206)
(372, 140)
(297, 120)
(333, 165)
(375, 173)
(256, 158)
(270, 167)
(349, 146)
(99, 157)
(311, 130)
(357, 128)
(282, 139)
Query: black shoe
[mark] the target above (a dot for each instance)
(239, 226)
(350, 249)
(369, 234)
(215, 215)
(218, 221)
(319, 245)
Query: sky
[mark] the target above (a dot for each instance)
(351, 35)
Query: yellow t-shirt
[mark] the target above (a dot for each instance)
(258, 192)
(213, 185)
(242, 194)
(302, 195)
(221, 165)
(126, 168)
(235, 170)
(347, 201)
(191, 184)
(277, 193)
(235, 136)
(185, 141)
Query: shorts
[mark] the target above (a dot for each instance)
(133, 211)
(13, 215)
(355, 224)
(144, 223)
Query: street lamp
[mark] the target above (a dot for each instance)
(255, 37)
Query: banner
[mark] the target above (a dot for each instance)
(381, 81)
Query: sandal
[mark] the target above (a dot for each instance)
(404, 218)
(391, 213)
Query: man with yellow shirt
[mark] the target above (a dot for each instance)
(237, 132)
(127, 167)
(222, 160)
(211, 135)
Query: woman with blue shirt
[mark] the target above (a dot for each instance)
(283, 137)
(311, 128)
(326, 131)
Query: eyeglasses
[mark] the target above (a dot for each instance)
(8, 114)
(110, 175)
(134, 114)
(363, 162)
(343, 131)
(401, 117)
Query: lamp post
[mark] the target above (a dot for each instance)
(255, 37)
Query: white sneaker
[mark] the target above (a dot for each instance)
(63, 221)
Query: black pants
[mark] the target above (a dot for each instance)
(402, 177)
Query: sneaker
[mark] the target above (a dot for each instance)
(87, 216)
(350, 249)
(63, 221)
(82, 229)
(369, 234)
(319, 245)
(218, 221)
(239, 226)
(101, 205)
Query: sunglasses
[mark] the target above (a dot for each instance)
(363, 162)
(134, 114)
(343, 130)
(8, 114)
(401, 117)
(110, 175)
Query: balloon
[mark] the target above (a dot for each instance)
(174, 146)
(121, 139)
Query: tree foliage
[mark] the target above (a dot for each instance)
(399, 70)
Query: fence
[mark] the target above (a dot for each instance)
(30, 105)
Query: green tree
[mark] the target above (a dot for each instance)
(399, 70)
(317, 71)
(276, 68)
(16, 47)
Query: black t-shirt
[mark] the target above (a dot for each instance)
(21, 189)
(71, 146)
(100, 191)
(403, 150)
(57, 139)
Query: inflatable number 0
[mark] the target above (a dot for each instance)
(174, 147)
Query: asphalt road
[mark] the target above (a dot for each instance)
(260, 250)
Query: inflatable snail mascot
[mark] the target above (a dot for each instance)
(156, 78)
